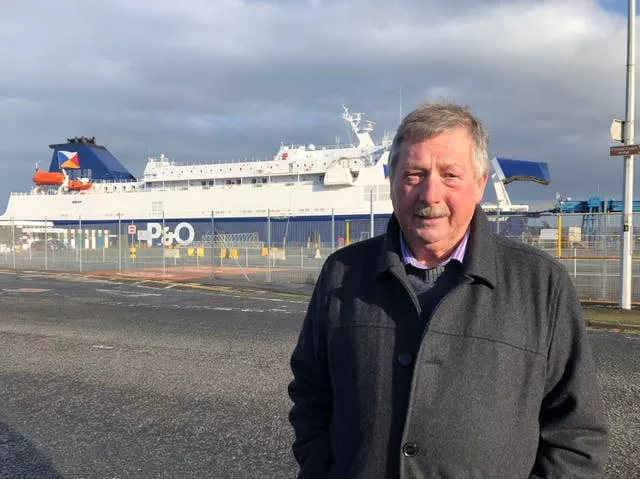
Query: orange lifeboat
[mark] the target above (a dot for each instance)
(79, 185)
(42, 178)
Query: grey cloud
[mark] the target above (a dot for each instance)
(200, 79)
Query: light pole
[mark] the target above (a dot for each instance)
(627, 215)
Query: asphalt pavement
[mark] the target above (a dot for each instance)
(596, 314)
(155, 378)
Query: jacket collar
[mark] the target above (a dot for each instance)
(479, 260)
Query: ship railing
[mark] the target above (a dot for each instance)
(337, 146)
(224, 161)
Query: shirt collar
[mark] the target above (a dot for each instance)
(457, 255)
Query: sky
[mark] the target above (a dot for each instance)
(202, 80)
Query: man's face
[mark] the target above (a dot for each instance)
(434, 193)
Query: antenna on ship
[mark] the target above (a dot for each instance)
(361, 132)
(352, 122)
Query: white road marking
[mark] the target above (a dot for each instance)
(26, 290)
(126, 294)
(200, 307)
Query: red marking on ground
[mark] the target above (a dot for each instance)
(181, 273)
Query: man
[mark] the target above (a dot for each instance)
(440, 349)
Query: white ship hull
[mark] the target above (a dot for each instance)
(237, 201)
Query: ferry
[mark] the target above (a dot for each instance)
(300, 193)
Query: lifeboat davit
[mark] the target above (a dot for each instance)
(79, 185)
(42, 178)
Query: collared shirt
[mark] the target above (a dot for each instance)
(458, 253)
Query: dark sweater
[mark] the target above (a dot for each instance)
(431, 285)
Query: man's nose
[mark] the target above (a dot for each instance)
(431, 192)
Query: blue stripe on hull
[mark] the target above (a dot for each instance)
(294, 231)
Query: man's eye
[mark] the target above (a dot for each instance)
(412, 178)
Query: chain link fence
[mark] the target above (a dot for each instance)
(290, 249)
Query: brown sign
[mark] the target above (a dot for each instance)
(624, 150)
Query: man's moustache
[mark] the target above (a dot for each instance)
(431, 211)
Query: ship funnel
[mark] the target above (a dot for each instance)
(89, 159)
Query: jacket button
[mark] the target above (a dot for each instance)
(405, 359)
(410, 449)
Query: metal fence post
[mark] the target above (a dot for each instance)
(604, 279)
(164, 260)
(268, 245)
(333, 231)
(371, 226)
(119, 242)
(213, 234)
(559, 238)
(81, 242)
(13, 242)
(46, 245)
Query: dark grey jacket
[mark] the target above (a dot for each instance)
(501, 384)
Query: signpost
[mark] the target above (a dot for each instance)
(623, 131)
(132, 250)
(624, 150)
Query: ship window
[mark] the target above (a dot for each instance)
(253, 180)
(264, 180)
(211, 182)
(228, 182)
(203, 183)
